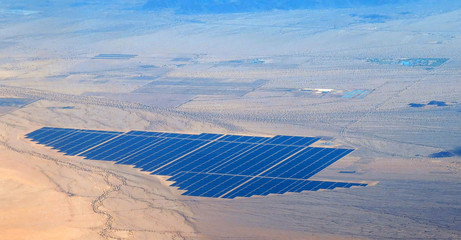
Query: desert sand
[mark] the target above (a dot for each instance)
(272, 63)
(44, 196)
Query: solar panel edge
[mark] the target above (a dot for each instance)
(212, 184)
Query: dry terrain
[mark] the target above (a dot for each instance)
(261, 73)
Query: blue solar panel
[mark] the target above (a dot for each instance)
(54, 136)
(244, 139)
(141, 133)
(170, 154)
(307, 163)
(292, 140)
(230, 138)
(86, 144)
(254, 186)
(47, 135)
(207, 164)
(256, 161)
(34, 134)
(138, 149)
(106, 148)
(209, 136)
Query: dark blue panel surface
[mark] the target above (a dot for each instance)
(138, 149)
(209, 136)
(89, 143)
(208, 185)
(171, 154)
(307, 163)
(292, 140)
(100, 151)
(252, 187)
(199, 157)
(49, 135)
(56, 136)
(266, 186)
(34, 134)
(207, 164)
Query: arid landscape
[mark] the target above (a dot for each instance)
(382, 80)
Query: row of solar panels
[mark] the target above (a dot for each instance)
(277, 140)
(215, 155)
(231, 186)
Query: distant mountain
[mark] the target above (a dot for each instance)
(233, 6)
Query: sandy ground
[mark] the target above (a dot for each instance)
(46, 195)
(32, 205)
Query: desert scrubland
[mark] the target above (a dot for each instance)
(259, 73)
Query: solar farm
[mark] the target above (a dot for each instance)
(207, 164)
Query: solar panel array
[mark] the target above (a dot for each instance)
(207, 165)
